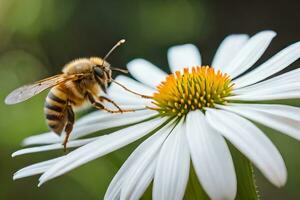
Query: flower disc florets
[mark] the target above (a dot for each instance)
(197, 88)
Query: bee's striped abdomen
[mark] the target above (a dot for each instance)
(55, 109)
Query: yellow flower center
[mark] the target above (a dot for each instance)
(198, 88)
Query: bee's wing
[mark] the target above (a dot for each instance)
(27, 91)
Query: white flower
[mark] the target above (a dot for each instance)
(190, 114)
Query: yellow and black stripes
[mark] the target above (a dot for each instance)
(55, 109)
(55, 98)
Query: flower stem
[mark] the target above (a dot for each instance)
(247, 188)
(194, 190)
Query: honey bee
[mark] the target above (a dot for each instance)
(81, 81)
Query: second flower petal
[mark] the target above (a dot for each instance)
(252, 142)
(211, 158)
(181, 56)
(173, 164)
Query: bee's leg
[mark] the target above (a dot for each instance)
(128, 90)
(99, 106)
(69, 125)
(102, 98)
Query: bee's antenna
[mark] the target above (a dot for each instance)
(119, 70)
(113, 48)
(125, 88)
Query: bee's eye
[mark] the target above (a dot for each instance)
(99, 72)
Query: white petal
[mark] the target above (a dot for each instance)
(279, 89)
(284, 86)
(172, 171)
(100, 147)
(116, 90)
(211, 158)
(102, 116)
(122, 98)
(146, 72)
(43, 138)
(264, 97)
(134, 85)
(114, 121)
(37, 168)
(126, 106)
(290, 77)
(283, 118)
(141, 173)
(115, 186)
(181, 56)
(250, 141)
(92, 125)
(275, 64)
(114, 189)
(112, 117)
(250, 53)
(142, 182)
(227, 50)
(95, 114)
(71, 144)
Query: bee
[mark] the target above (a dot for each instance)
(81, 81)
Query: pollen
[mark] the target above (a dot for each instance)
(198, 88)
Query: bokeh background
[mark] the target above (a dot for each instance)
(37, 37)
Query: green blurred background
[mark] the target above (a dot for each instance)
(37, 37)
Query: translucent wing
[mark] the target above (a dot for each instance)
(27, 91)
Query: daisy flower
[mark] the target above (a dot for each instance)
(188, 116)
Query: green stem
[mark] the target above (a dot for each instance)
(246, 188)
(194, 190)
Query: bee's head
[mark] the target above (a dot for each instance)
(102, 74)
(102, 69)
